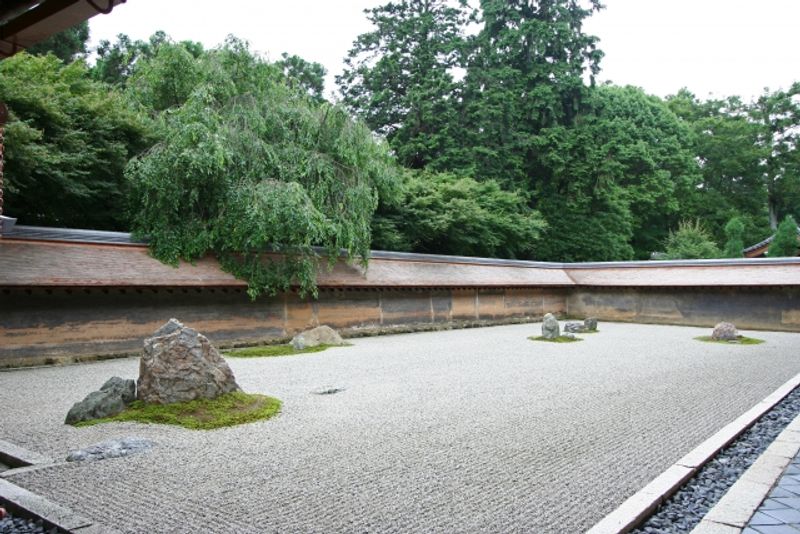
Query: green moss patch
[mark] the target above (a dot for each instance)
(202, 414)
(740, 341)
(559, 339)
(267, 351)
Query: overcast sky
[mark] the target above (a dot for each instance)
(717, 47)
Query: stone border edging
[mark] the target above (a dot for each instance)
(63, 518)
(17, 457)
(734, 510)
(643, 503)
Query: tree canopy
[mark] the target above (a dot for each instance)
(68, 141)
(249, 166)
(442, 213)
(464, 128)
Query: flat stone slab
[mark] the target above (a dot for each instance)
(113, 448)
(12, 455)
(475, 430)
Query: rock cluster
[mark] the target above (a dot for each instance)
(588, 325)
(179, 364)
(725, 332)
(111, 399)
(550, 328)
(114, 448)
(321, 335)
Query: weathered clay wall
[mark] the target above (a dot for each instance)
(760, 308)
(42, 326)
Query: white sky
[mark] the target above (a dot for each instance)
(719, 47)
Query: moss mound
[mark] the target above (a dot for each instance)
(559, 339)
(740, 341)
(267, 351)
(234, 408)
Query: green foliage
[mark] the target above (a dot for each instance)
(785, 241)
(610, 184)
(524, 73)
(236, 408)
(271, 351)
(66, 45)
(166, 80)
(249, 167)
(734, 246)
(67, 142)
(441, 213)
(310, 76)
(690, 241)
(741, 340)
(398, 77)
(778, 116)
(727, 146)
(116, 62)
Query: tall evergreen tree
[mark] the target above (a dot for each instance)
(309, 75)
(525, 72)
(734, 246)
(785, 241)
(399, 77)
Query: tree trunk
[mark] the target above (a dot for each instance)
(773, 213)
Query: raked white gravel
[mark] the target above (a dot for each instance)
(477, 430)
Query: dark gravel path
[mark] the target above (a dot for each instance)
(19, 525)
(689, 505)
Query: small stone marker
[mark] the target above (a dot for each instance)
(550, 328)
(588, 325)
(321, 335)
(111, 399)
(574, 327)
(725, 332)
(114, 448)
(327, 390)
(179, 364)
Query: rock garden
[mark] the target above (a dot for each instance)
(183, 380)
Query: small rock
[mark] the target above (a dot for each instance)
(569, 335)
(115, 448)
(321, 335)
(125, 388)
(112, 398)
(725, 332)
(550, 328)
(326, 390)
(574, 327)
(590, 324)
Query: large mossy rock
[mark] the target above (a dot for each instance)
(111, 399)
(321, 335)
(179, 364)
